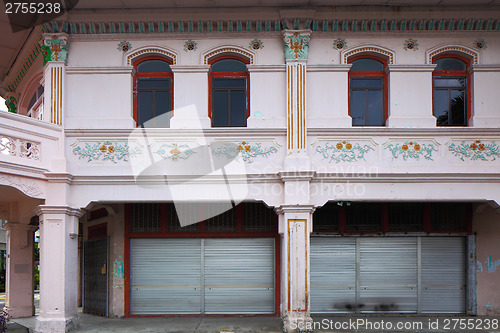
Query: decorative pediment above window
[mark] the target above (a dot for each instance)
(150, 51)
(376, 50)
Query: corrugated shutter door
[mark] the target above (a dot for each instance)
(239, 275)
(388, 274)
(165, 276)
(333, 274)
(443, 274)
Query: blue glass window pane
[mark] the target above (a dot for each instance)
(366, 83)
(450, 64)
(375, 108)
(153, 83)
(358, 108)
(457, 107)
(144, 107)
(153, 66)
(162, 107)
(229, 83)
(220, 108)
(441, 103)
(229, 65)
(238, 108)
(367, 65)
(449, 82)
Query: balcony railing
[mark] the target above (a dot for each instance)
(27, 141)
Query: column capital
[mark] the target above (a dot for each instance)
(296, 44)
(67, 210)
(55, 47)
(19, 226)
(293, 209)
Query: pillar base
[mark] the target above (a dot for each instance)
(55, 325)
(20, 311)
(297, 323)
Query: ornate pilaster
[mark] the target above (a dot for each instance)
(55, 56)
(295, 225)
(296, 43)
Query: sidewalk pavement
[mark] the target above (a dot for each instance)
(339, 323)
(95, 324)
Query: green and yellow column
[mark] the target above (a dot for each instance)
(55, 56)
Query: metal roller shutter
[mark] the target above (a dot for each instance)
(165, 276)
(443, 274)
(387, 274)
(194, 276)
(333, 274)
(239, 276)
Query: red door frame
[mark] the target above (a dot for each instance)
(164, 233)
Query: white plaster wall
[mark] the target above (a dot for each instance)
(486, 225)
(410, 99)
(327, 98)
(98, 101)
(191, 88)
(486, 99)
(101, 97)
(267, 99)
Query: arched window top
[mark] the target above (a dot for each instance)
(450, 64)
(367, 64)
(153, 66)
(229, 65)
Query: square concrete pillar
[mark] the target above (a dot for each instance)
(19, 278)
(58, 269)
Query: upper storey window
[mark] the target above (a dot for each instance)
(367, 91)
(450, 91)
(35, 106)
(153, 93)
(229, 88)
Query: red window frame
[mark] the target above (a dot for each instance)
(382, 74)
(464, 73)
(169, 75)
(201, 233)
(228, 74)
(385, 229)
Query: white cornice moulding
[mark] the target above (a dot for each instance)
(411, 68)
(30, 121)
(201, 69)
(99, 70)
(404, 132)
(484, 68)
(67, 210)
(266, 68)
(408, 178)
(15, 169)
(328, 68)
(229, 133)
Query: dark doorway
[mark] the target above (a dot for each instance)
(95, 285)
